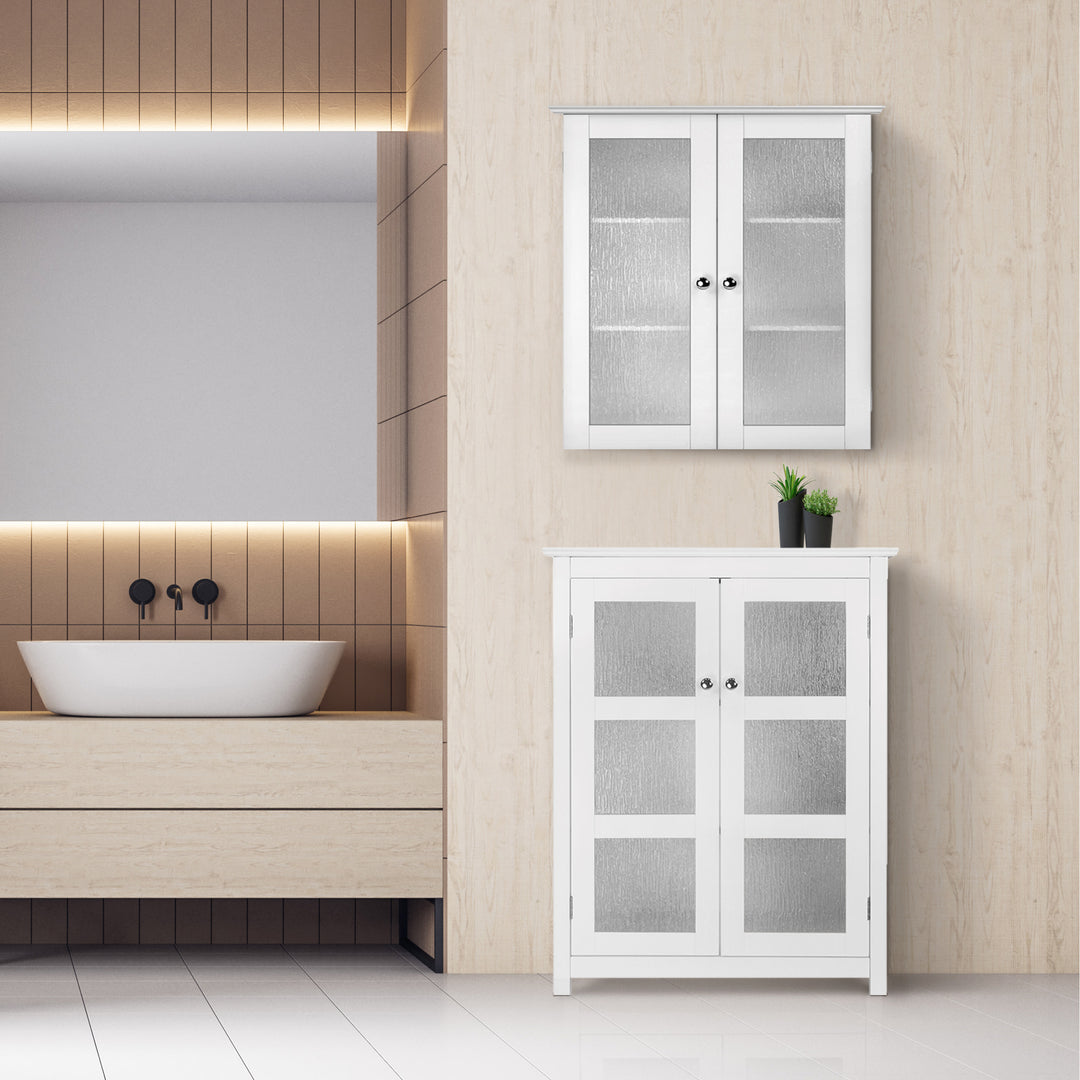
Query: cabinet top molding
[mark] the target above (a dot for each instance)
(684, 109)
(757, 553)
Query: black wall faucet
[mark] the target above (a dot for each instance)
(205, 592)
(142, 592)
(174, 592)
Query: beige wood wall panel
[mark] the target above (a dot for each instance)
(373, 572)
(15, 579)
(301, 572)
(301, 112)
(341, 690)
(426, 121)
(373, 668)
(221, 853)
(265, 44)
(228, 112)
(301, 38)
(397, 112)
(193, 111)
(121, 46)
(49, 46)
(266, 112)
(337, 112)
(426, 235)
(200, 631)
(157, 112)
(46, 632)
(120, 111)
(15, 47)
(157, 46)
(426, 571)
(391, 187)
(228, 46)
(15, 112)
(48, 112)
(393, 280)
(193, 45)
(193, 561)
(399, 538)
(426, 459)
(397, 667)
(372, 45)
(393, 371)
(265, 571)
(84, 49)
(425, 670)
(86, 112)
(373, 112)
(48, 572)
(15, 691)
(120, 567)
(228, 567)
(77, 632)
(427, 346)
(157, 562)
(967, 187)
(425, 36)
(398, 46)
(392, 437)
(337, 47)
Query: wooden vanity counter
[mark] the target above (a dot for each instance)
(331, 804)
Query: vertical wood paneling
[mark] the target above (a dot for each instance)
(157, 112)
(85, 922)
(337, 572)
(265, 44)
(45, 632)
(341, 693)
(15, 922)
(425, 571)
(86, 112)
(120, 567)
(48, 112)
(193, 111)
(228, 112)
(337, 46)
(192, 922)
(157, 563)
(266, 112)
(228, 46)
(15, 48)
(425, 37)
(337, 112)
(301, 922)
(49, 46)
(264, 922)
(15, 112)
(157, 922)
(265, 571)
(301, 572)
(84, 45)
(157, 46)
(15, 579)
(15, 691)
(120, 921)
(301, 52)
(48, 572)
(228, 922)
(193, 561)
(373, 673)
(301, 112)
(372, 571)
(193, 45)
(121, 111)
(372, 46)
(228, 567)
(337, 922)
(85, 568)
(121, 47)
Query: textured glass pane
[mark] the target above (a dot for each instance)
(644, 766)
(793, 274)
(644, 648)
(645, 885)
(793, 377)
(638, 274)
(794, 886)
(639, 177)
(639, 377)
(795, 767)
(795, 648)
(793, 177)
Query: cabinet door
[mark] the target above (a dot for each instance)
(640, 230)
(644, 759)
(794, 752)
(793, 198)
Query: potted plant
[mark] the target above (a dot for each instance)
(818, 509)
(791, 489)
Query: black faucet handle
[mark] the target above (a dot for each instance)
(142, 592)
(205, 592)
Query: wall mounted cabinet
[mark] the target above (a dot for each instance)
(716, 278)
(720, 780)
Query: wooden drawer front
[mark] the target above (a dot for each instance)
(353, 763)
(189, 853)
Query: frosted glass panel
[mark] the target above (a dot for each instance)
(639, 377)
(793, 377)
(793, 177)
(795, 648)
(645, 885)
(795, 766)
(794, 886)
(639, 177)
(644, 648)
(644, 766)
(638, 273)
(793, 274)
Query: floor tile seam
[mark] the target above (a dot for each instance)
(213, 1011)
(86, 1013)
(341, 1012)
(1015, 1026)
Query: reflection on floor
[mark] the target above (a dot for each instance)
(263, 1013)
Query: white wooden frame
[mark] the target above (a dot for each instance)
(852, 826)
(867, 563)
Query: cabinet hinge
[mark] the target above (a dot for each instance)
(867, 625)
(571, 907)
(868, 909)
(571, 625)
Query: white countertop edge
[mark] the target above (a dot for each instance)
(741, 109)
(757, 553)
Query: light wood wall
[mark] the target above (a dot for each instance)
(199, 64)
(972, 472)
(292, 580)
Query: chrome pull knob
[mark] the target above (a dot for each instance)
(730, 684)
(729, 283)
(703, 282)
(706, 683)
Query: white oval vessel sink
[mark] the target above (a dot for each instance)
(181, 678)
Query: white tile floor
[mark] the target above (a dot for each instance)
(305, 1013)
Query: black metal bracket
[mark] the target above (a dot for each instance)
(434, 962)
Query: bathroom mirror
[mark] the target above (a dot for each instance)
(187, 326)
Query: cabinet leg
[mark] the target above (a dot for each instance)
(879, 983)
(560, 985)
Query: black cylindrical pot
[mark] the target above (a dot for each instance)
(791, 522)
(818, 529)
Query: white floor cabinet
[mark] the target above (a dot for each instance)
(720, 763)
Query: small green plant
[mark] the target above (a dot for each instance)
(789, 485)
(820, 502)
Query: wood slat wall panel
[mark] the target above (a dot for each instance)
(228, 46)
(193, 561)
(49, 46)
(157, 46)
(121, 47)
(301, 572)
(373, 46)
(15, 49)
(337, 47)
(15, 579)
(48, 578)
(301, 53)
(193, 45)
(265, 45)
(85, 43)
(337, 572)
